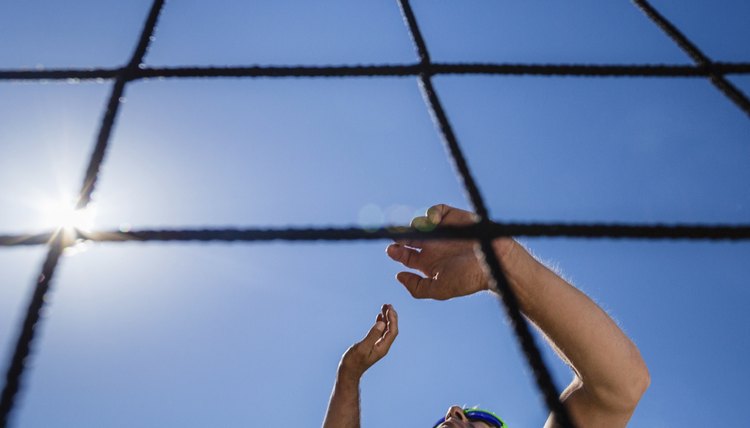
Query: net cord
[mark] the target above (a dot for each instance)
(75, 75)
(507, 296)
(22, 351)
(715, 75)
(496, 230)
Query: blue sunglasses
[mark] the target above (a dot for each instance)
(479, 415)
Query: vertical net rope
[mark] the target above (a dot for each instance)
(57, 245)
(510, 302)
(700, 59)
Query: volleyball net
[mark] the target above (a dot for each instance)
(484, 231)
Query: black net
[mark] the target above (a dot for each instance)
(484, 231)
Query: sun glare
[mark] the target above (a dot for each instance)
(63, 214)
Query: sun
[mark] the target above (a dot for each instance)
(61, 213)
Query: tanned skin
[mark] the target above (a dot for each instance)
(610, 375)
(343, 409)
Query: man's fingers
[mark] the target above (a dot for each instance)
(447, 215)
(436, 213)
(392, 320)
(413, 243)
(407, 256)
(376, 331)
(384, 343)
(418, 286)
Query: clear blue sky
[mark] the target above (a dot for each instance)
(239, 335)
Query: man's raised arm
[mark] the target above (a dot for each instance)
(610, 375)
(343, 409)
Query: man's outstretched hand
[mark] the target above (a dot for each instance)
(375, 345)
(451, 267)
(343, 409)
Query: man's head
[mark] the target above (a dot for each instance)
(458, 417)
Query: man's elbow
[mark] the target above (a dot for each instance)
(639, 383)
(622, 394)
(634, 385)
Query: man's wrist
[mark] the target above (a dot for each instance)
(347, 373)
(511, 256)
(505, 249)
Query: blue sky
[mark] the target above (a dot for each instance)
(250, 334)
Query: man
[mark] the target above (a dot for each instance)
(610, 375)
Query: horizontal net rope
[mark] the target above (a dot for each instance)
(495, 230)
(509, 300)
(580, 70)
(716, 77)
(25, 339)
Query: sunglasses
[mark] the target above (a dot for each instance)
(479, 415)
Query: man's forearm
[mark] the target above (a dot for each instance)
(343, 409)
(606, 361)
